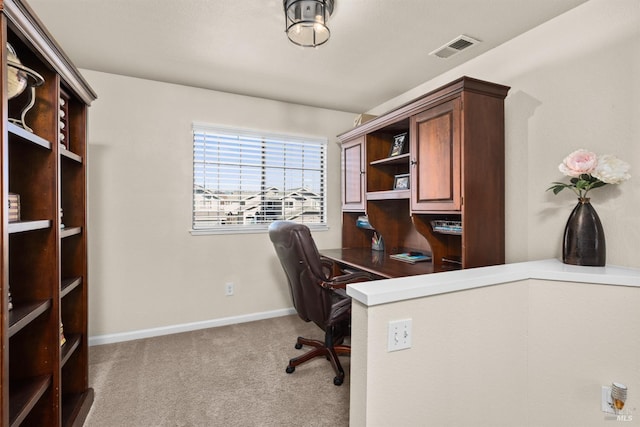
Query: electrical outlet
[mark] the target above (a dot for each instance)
(399, 335)
(228, 289)
(606, 403)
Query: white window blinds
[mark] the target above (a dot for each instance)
(244, 180)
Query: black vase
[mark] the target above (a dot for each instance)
(584, 242)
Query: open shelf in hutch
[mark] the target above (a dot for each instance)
(44, 268)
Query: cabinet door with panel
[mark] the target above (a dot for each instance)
(353, 166)
(435, 158)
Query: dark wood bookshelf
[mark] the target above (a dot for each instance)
(44, 264)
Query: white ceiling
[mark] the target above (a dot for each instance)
(378, 48)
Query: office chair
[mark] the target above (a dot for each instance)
(317, 296)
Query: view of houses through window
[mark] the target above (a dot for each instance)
(245, 179)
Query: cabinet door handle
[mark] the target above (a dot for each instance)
(361, 172)
(413, 162)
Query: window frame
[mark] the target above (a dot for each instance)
(264, 135)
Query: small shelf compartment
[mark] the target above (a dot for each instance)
(23, 314)
(23, 226)
(76, 406)
(389, 195)
(24, 397)
(70, 154)
(70, 231)
(26, 136)
(447, 226)
(67, 349)
(402, 159)
(69, 285)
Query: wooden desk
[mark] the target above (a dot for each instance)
(377, 263)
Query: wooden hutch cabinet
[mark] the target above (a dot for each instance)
(454, 206)
(44, 375)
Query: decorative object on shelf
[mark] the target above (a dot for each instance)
(16, 77)
(401, 182)
(14, 207)
(447, 227)
(20, 78)
(306, 21)
(61, 133)
(377, 257)
(453, 260)
(10, 304)
(399, 145)
(62, 338)
(362, 119)
(584, 241)
(411, 257)
(363, 222)
(377, 244)
(63, 129)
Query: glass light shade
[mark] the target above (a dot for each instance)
(306, 21)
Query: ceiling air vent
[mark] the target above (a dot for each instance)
(455, 46)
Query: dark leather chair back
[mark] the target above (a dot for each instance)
(303, 267)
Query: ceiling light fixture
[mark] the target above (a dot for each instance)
(306, 21)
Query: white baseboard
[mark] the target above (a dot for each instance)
(186, 327)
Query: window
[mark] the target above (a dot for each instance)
(244, 180)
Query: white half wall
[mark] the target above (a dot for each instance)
(531, 352)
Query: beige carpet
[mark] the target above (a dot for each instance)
(227, 376)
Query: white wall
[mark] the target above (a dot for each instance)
(145, 269)
(574, 84)
(527, 353)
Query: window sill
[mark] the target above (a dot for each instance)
(248, 230)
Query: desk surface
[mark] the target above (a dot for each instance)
(377, 262)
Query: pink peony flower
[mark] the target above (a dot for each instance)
(588, 171)
(578, 163)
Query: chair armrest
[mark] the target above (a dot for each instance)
(327, 266)
(343, 280)
(326, 262)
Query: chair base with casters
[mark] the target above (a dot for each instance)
(329, 349)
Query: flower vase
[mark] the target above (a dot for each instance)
(584, 242)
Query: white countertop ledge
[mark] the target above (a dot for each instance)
(404, 288)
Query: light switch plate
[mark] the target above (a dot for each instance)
(400, 335)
